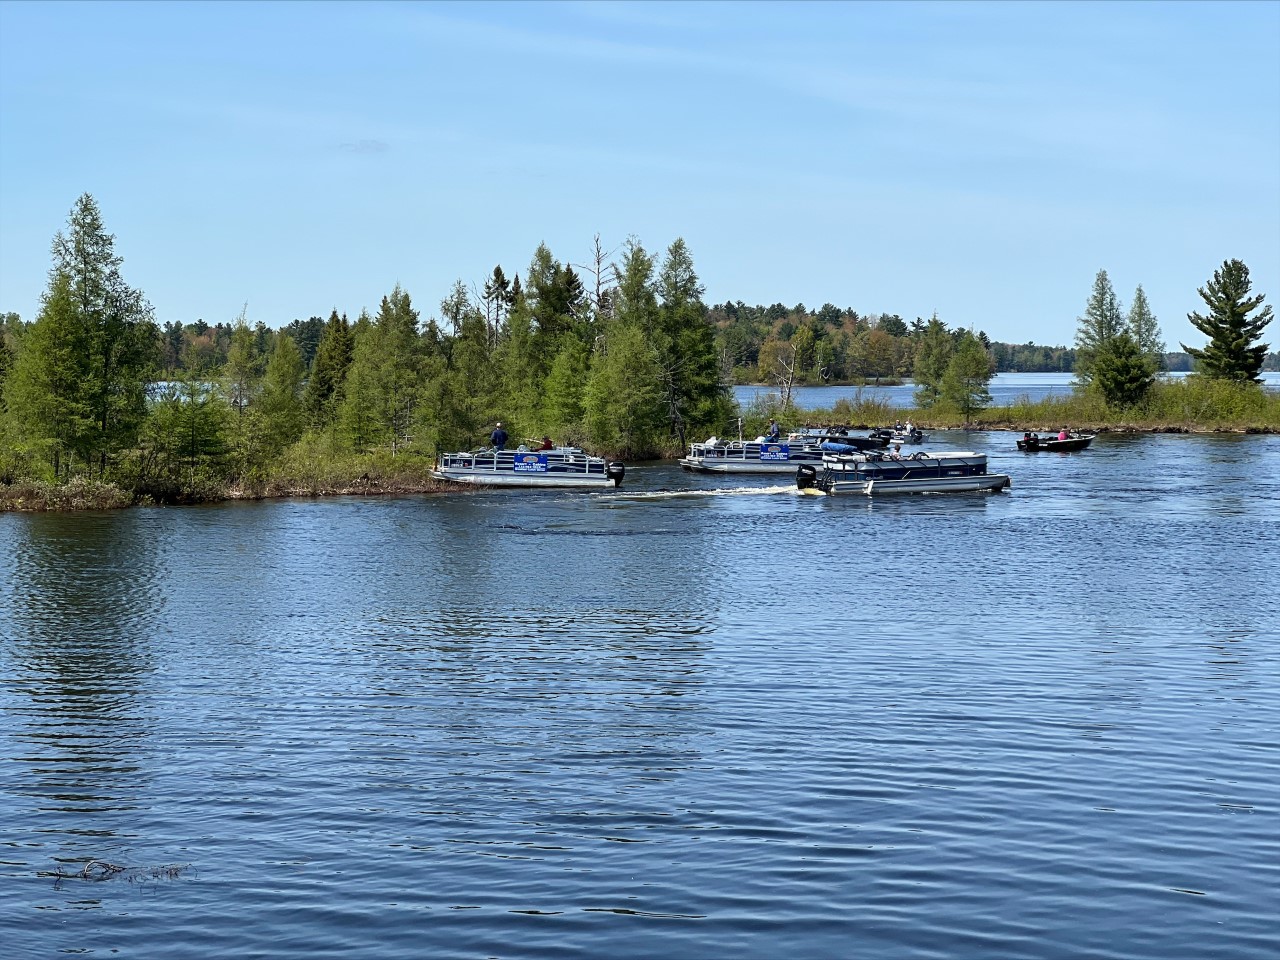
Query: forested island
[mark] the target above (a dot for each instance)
(100, 405)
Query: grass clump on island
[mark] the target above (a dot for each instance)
(308, 469)
(1184, 405)
(1190, 405)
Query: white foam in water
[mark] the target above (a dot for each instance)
(721, 492)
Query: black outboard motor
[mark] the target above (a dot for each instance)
(615, 471)
(806, 476)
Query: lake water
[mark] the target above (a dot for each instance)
(1005, 389)
(698, 718)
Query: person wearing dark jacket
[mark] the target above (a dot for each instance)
(499, 437)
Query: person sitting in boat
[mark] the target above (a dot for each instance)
(897, 451)
(775, 432)
(1063, 434)
(547, 444)
(499, 437)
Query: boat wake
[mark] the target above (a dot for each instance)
(719, 492)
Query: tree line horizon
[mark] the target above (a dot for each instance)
(620, 354)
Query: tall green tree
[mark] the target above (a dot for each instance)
(624, 401)
(105, 337)
(324, 389)
(684, 341)
(1233, 351)
(185, 444)
(280, 402)
(387, 358)
(1102, 320)
(932, 356)
(964, 386)
(10, 324)
(46, 408)
(1122, 370)
(1145, 329)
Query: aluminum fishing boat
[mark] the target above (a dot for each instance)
(1030, 443)
(874, 473)
(557, 467)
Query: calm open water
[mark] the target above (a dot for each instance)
(1005, 389)
(682, 721)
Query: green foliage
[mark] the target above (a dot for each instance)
(861, 412)
(1145, 330)
(684, 344)
(1233, 351)
(624, 399)
(964, 385)
(47, 410)
(79, 390)
(383, 385)
(280, 407)
(563, 397)
(1122, 370)
(323, 395)
(185, 449)
(1101, 321)
(1212, 403)
(933, 354)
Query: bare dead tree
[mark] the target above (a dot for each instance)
(605, 276)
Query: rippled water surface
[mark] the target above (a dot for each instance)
(695, 718)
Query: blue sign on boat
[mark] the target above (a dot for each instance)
(775, 451)
(530, 463)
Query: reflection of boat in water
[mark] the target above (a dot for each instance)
(948, 472)
(1031, 443)
(557, 467)
(763, 455)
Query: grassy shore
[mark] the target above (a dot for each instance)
(1175, 406)
(367, 476)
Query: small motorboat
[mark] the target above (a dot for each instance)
(900, 435)
(1030, 443)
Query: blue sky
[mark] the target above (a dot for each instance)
(979, 160)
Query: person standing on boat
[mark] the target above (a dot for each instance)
(775, 432)
(499, 437)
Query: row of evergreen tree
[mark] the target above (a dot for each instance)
(626, 365)
(629, 361)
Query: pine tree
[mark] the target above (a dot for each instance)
(623, 401)
(932, 356)
(1122, 370)
(1232, 352)
(1102, 320)
(47, 410)
(324, 389)
(280, 403)
(964, 385)
(685, 345)
(1145, 330)
(84, 373)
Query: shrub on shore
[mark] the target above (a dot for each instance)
(39, 496)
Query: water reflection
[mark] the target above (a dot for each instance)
(82, 605)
